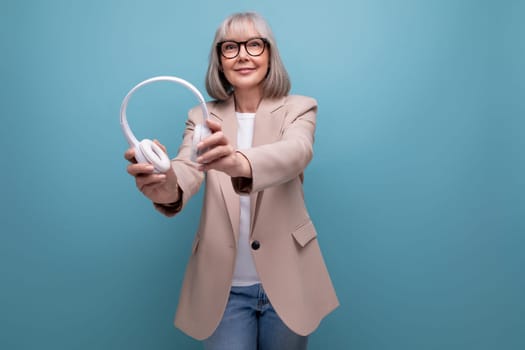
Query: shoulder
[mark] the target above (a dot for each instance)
(215, 107)
(300, 100)
(299, 104)
(209, 104)
(218, 107)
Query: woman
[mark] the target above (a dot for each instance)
(256, 278)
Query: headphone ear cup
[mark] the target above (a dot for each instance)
(199, 133)
(148, 151)
(139, 156)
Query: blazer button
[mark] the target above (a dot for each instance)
(256, 245)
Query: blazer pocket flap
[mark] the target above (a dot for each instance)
(304, 234)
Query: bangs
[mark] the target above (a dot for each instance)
(240, 26)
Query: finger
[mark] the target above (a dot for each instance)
(129, 155)
(214, 140)
(150, 179)
(138, 169)
(219, 164)
(146, 181)
(215, 154)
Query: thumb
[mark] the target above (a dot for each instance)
(162, 147)
(213, 125)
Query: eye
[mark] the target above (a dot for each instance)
(229, 46)
(255, 43)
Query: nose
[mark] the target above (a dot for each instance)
(243, 53)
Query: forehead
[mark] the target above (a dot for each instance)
(241, 30)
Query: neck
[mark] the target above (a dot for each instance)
(247, 101)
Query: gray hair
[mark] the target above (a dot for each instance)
(276, 84)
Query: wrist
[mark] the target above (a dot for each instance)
(243, 166)
(172, 200)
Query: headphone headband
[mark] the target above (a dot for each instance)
(132, 140)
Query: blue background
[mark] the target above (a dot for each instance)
(416, 187)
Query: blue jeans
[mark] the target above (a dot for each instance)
(250, 323)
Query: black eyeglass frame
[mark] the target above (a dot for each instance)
(243, 43)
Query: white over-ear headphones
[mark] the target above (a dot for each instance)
(146, 151)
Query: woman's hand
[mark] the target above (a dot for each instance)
(220, 154)
(160, 188)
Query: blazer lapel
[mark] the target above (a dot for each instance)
(224, 113)
(266, 130)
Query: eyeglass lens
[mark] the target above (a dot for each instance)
(254, 47)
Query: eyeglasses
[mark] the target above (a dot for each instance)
(231, 49)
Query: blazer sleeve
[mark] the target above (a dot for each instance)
(281, 161)
(189, 178)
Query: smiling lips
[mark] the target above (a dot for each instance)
(244, 70)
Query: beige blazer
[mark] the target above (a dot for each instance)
(288, 261)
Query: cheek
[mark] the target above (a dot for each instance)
(266, 68)
(227, 73)
(226, 67)
(266, 61)
(224, 63)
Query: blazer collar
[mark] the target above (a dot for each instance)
(224, 112)
(226, 108)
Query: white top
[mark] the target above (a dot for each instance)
(245, 273)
